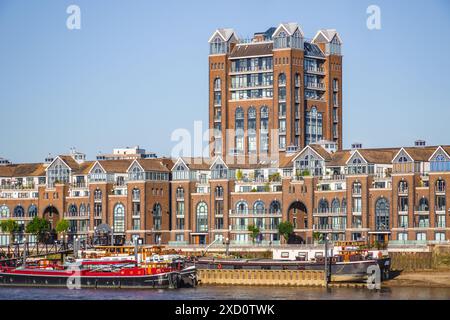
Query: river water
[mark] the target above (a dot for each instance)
(227, 293)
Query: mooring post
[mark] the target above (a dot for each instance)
(326, 260)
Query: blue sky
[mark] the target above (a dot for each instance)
(137, 70)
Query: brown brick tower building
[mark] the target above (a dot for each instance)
(276, 92)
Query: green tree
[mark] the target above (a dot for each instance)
(317, 236)
(62, 226)
(254, 232)
(285, 229)
(10, 226)
(38, 226)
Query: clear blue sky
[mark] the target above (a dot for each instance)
(137, 70)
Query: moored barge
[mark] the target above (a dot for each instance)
(100, 273)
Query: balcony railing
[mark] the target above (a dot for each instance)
(78, 185)
(440, 166)
(315, 86)
(440, 224)
(440, 209)
(335, 177)
(422, 224)
(420, 210)
(30, 186)
(319, 70)
(339, 227)
(254, 213)
(330, 212)
(100, 177)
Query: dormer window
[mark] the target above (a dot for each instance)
(218, 46)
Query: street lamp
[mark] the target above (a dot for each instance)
(112, 236)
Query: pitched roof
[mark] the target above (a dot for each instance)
(313, 50)
(328, 34)
(252, 49)
(77, 168)
(115, 166)
(23, 170)
(421, 153)
(153, 165)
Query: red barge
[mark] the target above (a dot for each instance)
(100, 273)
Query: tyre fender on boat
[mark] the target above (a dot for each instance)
(219, 266)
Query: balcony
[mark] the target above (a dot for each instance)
(100, 177)
(222, 174)
(422, 224)
(334, 177)
(403, 191)
(315, 86)
(330, 212)
(357, 226)
(254, 213)
(315, 70)
(440, 209)
(440, 190)
(440, 224)
(420, 210)
(78, 185)
(282, 114)
(217, 118)
(329, 227)
(28, 186)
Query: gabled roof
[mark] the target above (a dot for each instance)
(356, 153)
(405, 152)
(290, 28)
(328, 34)
(437, 150)
(218, 159)
(76, 168)
(225, 34)
(313, 148)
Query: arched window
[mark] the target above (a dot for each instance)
(323, 206)
(119, 218)
(440, 185)
(219, 192)
(402, 159)
(402, 187)
(258, 207)
(157, 216)
(344, 205)
(4, 211)
(97, 195)
(242, 207)
(264, 129)
(180, 193)
(82, 210)
(251, 129)
(335, 205)
(313, 126)
(32, 211)
(382, 214)
(217, 84)
(73, 210)
(19, 212)
(136, 194)
(356, 188)
(275, 207)
(239, 127)
(423, 204)
(281, 79)
(202, 217)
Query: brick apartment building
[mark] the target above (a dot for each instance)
(277, 91)
(278, 82)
